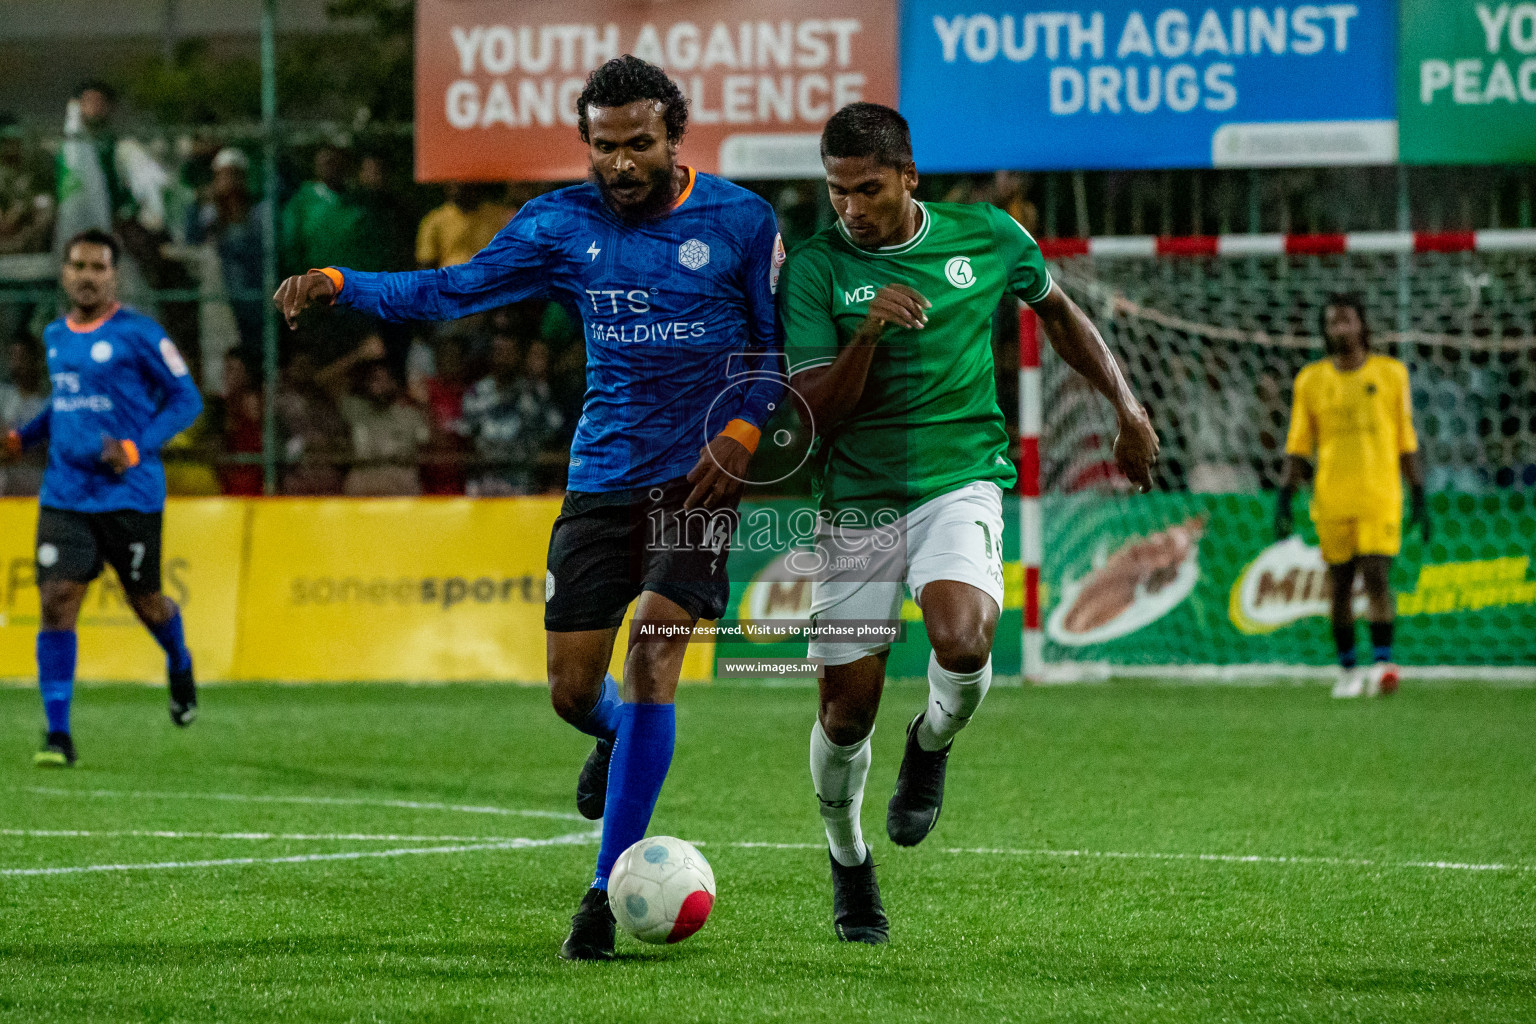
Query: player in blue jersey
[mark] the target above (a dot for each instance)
(120, 391)
(672, 273)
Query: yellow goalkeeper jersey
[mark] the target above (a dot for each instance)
(1357, 423)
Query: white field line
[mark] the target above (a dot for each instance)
(1220, 858)
(135, 833)
(336, 801)
(572, 839)
(474, 843)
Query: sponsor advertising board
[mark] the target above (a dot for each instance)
(202, 571)
(1174, 579)
(379, 590)
(1122, 84)
(321, 590)
(1467, 81)
(496, 83)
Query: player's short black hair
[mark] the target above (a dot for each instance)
(868, 129)
(95, 236)
(626, 80)
(1348, 300)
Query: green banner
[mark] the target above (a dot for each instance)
(1195, 579)
(1466, 82)
(1186, 579)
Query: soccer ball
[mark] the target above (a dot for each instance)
(661, 890)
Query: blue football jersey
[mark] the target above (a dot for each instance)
(119, 377)
(677, 312)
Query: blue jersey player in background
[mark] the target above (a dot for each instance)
(120, 391)
(672, 273)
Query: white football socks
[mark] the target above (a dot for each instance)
(838, 774)
(953, 698)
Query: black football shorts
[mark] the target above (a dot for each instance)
(74, 546)
(607, 548)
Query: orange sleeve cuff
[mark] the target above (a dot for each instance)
(132, 451)
(335, 277)
(744, 432)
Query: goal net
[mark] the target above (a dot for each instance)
(1190, 580)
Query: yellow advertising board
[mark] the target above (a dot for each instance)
(396, 589)
(321, 590)
(204, 539)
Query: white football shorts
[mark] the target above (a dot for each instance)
(866, 572)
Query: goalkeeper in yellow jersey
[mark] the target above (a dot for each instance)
(1353, 413)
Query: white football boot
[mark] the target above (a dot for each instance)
(1352, 682)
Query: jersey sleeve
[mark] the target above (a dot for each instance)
(805, 310)
(512, 268)
(1302, 438)
(162, 364)
(1028, 276)
(765, 343)
(35, 431)
(1407, 437)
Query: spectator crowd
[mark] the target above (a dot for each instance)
(483, 406)
(487, 405)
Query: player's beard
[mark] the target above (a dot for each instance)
(655, 201)
(1335, 345)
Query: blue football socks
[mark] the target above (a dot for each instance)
(642, 753)
(171, 638)
(1381, 641)
(1344, 643)
(56, 650)
(602, 722)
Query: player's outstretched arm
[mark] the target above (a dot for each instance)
(831, 392)
(514, 267)
(1077, 341)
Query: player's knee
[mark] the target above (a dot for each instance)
(152, 608)
(960, 647)
(651, 672)
(60, 607)
(573, 693)
(846, 724)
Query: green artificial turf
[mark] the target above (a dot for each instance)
(988, 923)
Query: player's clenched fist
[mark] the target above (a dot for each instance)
(301, 291)
(900, 305)
(1136, 447)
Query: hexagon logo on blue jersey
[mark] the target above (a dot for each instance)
(693, 254)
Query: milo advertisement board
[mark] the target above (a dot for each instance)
(1191, 579)
(1199, 579)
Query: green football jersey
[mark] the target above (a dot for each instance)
(928, 421)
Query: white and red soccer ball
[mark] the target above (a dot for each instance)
(661, 890)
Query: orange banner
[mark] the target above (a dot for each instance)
(496, 83)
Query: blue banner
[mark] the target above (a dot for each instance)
(990, 84)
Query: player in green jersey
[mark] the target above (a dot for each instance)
(887, 320)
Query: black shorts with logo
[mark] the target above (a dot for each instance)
(74, 546)
(607, 548)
